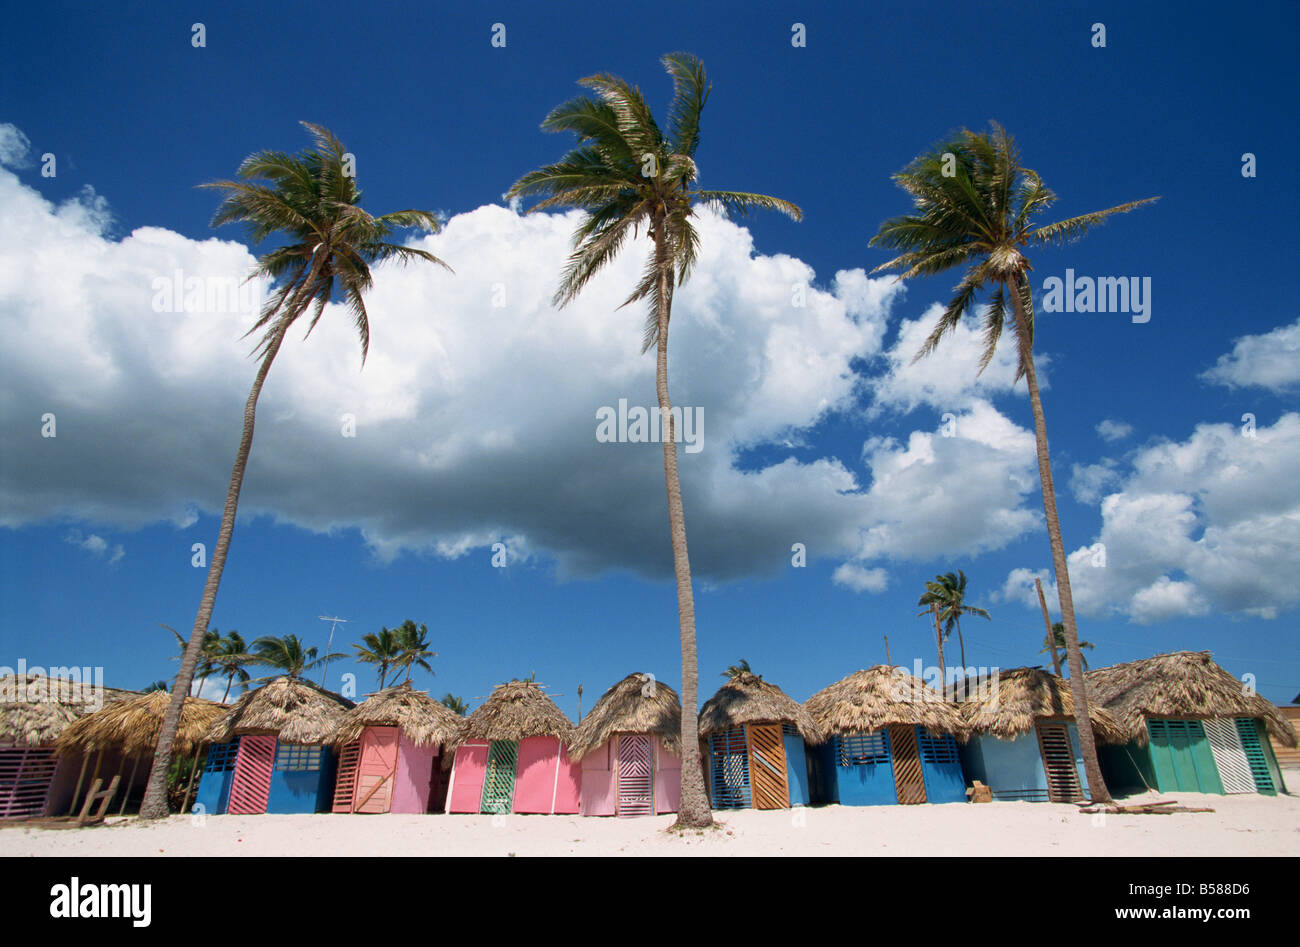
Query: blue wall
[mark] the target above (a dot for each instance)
(213, 793)
(796, 769)
(1013, 769)
(309, 790)
(872, 784)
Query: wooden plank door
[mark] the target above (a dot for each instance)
(1058, 762)
(377, 769)
(252, 782)
(499, 780)
(909, 781)
(1253, 747)
(767, 777)
(345, 783)
(634, 772)
(730, 770)
(26, 774)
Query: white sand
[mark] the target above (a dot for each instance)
(1241, 825)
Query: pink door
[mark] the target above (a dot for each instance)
(251, 784)
(376, 769)
(466, 792)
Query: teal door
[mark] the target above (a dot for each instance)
(1181, 757)
(1255, 750)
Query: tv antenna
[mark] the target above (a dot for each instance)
(329, 646)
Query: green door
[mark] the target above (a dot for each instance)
(1254, 747)
(499, 780)
(1181, 757)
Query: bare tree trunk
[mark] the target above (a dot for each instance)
(1092, 769)
(693, 810)
(1047, 623)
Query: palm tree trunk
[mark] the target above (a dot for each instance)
(693, 810)
(230, 680)
(943, 667)
(1092, 769)
(154, 805)
(961, 643)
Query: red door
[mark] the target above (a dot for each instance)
(252, 780)
(377, 769)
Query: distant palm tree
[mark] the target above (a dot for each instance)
(157, 686)
(312, 199)
(455, 704)
(1056, 643)
(975, 205)
(204, 667)
(734, 671)
(382, 649)
(948, 591)
(229, 660)
(627, 174)
(414, 642)
(287, 656)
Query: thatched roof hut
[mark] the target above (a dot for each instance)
(131, 726)
(424, 721)
(1009, 706)
(36, 709)
(636, 704)
(514, 710)
(1182, 684)
(879, 697)
(296, 711)
(747, 698)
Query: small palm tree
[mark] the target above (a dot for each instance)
(1056, 644)
(382, 649)
(204, 667)
(734, 671)
(948, 591)
(287, 657)
(414, 644)
(975, 206)
(229, 660)
(455, 704)
(627, 174)
(157, 686)
(312, 200)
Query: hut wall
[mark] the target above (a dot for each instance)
(213, 792)
(599, 791)
(1270, 758)
(465, 794)
(546, 780)
(940, 767)
(796, 768)
(417, 768)
(1126, 767)
(302, 780)
(1287, 755)
(856, 770)
(1013, 769)
(668, 778)
(1181, 756)
(64, 785)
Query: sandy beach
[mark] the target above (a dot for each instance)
(1240, 825)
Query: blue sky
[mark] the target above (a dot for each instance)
(823, 434)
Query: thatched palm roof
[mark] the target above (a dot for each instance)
(515, 710)
(35, 709)
(1185, 684)
(747, 698)
(132, 725)
(296, 711)
(878, 697)
(423, 720)
(1010, 703)
(636, 704)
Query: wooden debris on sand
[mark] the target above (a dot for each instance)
(1149, 808)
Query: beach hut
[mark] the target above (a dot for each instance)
(1288, 756)
(390, 748)
(1189, 726)
(269, 751)
(755, 739)
(35, 709)
(891, 739)
(629, 745)
(128, 729)
(1021, 737)
(511, 755)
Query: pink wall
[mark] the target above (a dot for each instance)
(466, 793)
(668, 778)
(546, 780)
(414, 769)
(599, 796)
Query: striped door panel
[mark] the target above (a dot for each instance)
(1254, 750)
(1229, 756)
(1058, 762)
(1181, 756)
(499, 780)
(25, 777)
(767, 767)
(634, 770)
(346, 781)
(908, 778)
(252, 782)
(730, 769)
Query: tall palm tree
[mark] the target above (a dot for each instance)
(455, 704)
(948, 591)
(312, 201)
(975, 206)
(414, 642)
(287, 656)
(381, 648)
(627, 174)
(229, 660)
(734, 671)
(1056, 643)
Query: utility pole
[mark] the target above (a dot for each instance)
(888, 659)
(329, 647)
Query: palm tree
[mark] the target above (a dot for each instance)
(627, 174)
(287, 656)
(455, 704)
(948, 591)
(203, 668)
(974, 206)
(382, 649)
(229, 660)
(1057, 643)
(414, 644)
(313, 202)
(157, 686)
(734, 671)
